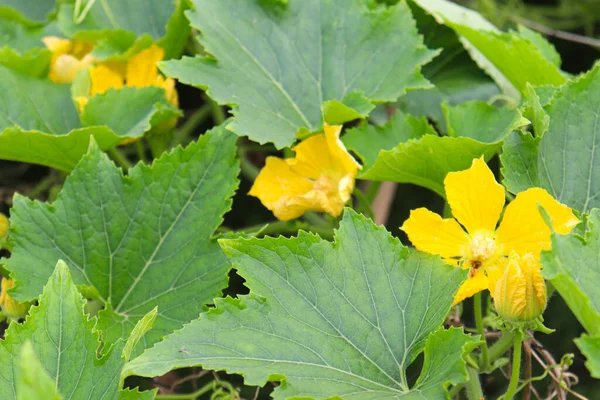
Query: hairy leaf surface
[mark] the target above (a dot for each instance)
(139, 241)
(54, 351)
(563, 158)
(278, 64)
(573, 267)
(328, 319)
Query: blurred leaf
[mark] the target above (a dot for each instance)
(33, 382)
(509, 58)
(562, 161)
(573, 267)
(313, 320)
(116, 24)
(544, 46)
(316, 51)
(141, 241)
(30, 12)
(65, 342)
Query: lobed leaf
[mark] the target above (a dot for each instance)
(561, 159)
(139, 241)
(573, 268)
(65, 342)
(277, 65)
(328, 320)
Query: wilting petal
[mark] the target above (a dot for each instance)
(141, 68)
(104, 78)
(475, 197)
(430, 233)
(524, 230)
(276, 184)
(474, 284)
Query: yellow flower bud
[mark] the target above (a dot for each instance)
(3, 226)
(520, 293)
(10, 307)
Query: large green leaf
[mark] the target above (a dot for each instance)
(116, 24)
(277, 65)
(134, 242)
(562, 160)
(66, 343)
(511, 59)
(36, 130)
(407, 150)
(456, 77)
(329, 320)
(573, 267)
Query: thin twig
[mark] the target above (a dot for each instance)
(189, 378)
(571, 37)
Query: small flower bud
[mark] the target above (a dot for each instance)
(520, 294)
(10, 307)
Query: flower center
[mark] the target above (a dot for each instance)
(482, 249)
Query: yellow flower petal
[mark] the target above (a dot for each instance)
(68, 57)
(524, 230)
(430, 233)
(521, 290)
(474, 284)
(141, 68)
(104, 78)
(3, 226)
(276, 184)
(57, 45)
(475, 197)
(11, 307)
(170, 92)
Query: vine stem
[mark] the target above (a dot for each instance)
(478, 310)
(516, 368)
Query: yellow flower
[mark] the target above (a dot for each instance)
(68, 58)
(3, 227)
(140, 71)
(320, 178)
(477, 201)
(11, 308)
(520, 294)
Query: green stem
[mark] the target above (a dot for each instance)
(474, 391)
(141, 151)
(119, 158)
(41, 187)
(217, 111)
(315, 219)
(478, 310)
(182, 134)
(499, 348)
(365, 206)
(188, 396)
(279, 227)
(249, 170)
(516, 368)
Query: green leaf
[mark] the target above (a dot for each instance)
(495, 52)
(562, 161)
(66, 344)
(407, 150)
(33, 381)
(482, 121)
(35, 130)
(456, 77)
(590, 347)
(544, 46)
(328, 320)
(141, 241)
(116, 24)
(573, 268)
(30, 12)
(129, 111)
(277, 65)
